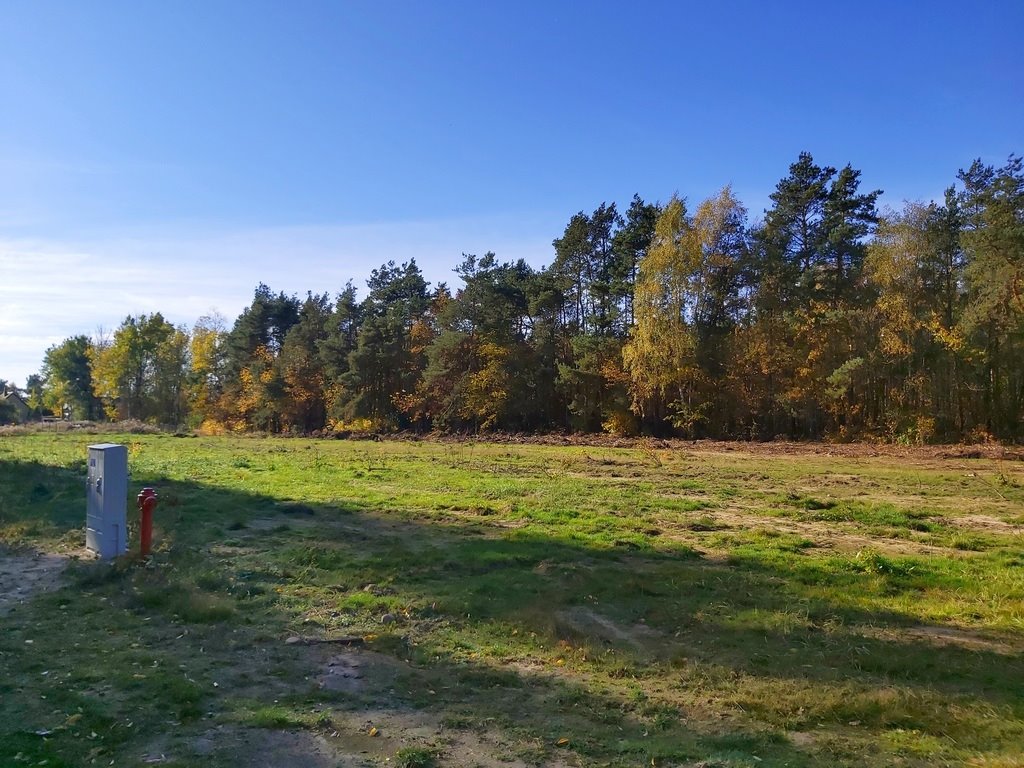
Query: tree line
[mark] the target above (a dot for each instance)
(826, 318)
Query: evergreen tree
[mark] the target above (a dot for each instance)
(254, 386)
(262, 325)
(993, 320)
(305, 395)
(478, 373)
(385, 366)
(630, 245)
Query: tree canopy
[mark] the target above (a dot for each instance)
(827, 317)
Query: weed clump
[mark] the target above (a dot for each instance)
(415, 757)
(874, 562)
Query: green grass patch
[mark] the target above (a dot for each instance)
(617, 607)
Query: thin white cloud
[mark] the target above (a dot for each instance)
(51, 290)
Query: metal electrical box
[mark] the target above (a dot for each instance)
(106, 524)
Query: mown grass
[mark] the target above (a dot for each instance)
(608, 606)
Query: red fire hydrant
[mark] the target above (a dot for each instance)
(147, 503)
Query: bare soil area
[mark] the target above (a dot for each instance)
(352, 732)
(759, 448)
(947, 636)
(23, 574)
(988, 523)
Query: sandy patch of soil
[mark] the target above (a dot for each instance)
(227, 550)
(259, 748)
(354, 671)
(584, 621)
(802, 739)
(397, 729)
(25, 574)
(988, 523)
(344, 672)
(270, 524)
(352, 735)
(766, 448)
(825, 535)
(484, 517)
(944, 636)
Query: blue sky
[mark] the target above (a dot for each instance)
(170, 156)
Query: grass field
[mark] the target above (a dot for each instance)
(332, 603)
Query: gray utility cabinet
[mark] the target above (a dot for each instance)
(106, 525)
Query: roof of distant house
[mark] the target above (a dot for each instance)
(12, 394)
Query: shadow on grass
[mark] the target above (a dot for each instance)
(236, 572)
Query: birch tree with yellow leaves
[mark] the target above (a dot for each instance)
(685, 300)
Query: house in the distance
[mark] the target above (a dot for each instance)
(17, 408)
